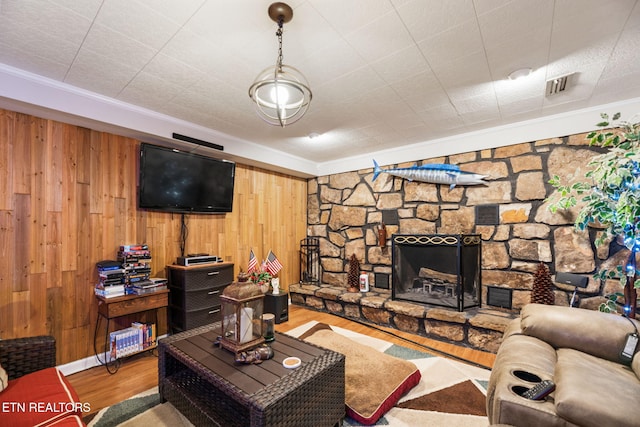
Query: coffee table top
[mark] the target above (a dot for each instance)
(256, 384)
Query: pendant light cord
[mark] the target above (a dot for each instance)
(279, 35)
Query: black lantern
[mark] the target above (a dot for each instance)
(242, 305)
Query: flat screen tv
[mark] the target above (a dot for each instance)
(175, 181)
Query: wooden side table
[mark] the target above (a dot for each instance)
(111, 308)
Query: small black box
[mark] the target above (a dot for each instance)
(278, 305)
(572, 279)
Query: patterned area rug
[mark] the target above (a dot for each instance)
(450, 394)
(142, 410)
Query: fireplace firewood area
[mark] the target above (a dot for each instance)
(437, 269)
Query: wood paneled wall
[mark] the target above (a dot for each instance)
(68, 200)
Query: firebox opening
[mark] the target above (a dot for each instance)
(442, 270)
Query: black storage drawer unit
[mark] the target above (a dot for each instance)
(194, 299)
(193, 319)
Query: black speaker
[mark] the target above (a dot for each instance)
(572, 279)
(198, 141)
(277, 304)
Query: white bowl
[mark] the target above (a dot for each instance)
(291, 362)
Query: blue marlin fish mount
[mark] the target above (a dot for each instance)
(435, 173)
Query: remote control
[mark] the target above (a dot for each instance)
(629, 347)
(540, 390)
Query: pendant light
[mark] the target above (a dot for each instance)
(281, 93)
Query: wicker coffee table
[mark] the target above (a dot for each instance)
(206, 385)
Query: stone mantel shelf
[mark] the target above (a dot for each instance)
(479, 328)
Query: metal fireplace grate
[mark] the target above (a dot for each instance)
(310, 260)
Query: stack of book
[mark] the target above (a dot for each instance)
(138, 337)
(147, 286)
(111, 279)
(136, 261)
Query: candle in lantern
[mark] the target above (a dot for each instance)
(246, 324)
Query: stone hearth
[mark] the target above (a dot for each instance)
(478, 328)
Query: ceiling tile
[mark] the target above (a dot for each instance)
(198, 52)
(137, 22)
(45, 17)
(590, 18)
(509, 91)
(451, 45)
(401, 65)
(352, 85)
(349, 16)
(87, 8)
(14, 55)
(151, 90)
(427, 18)
(172, 70)
(515, 18)
(518, 106)
(100, 74)
(380, 37)
(27, 43)
(507, 57)
(338, 58)
(178, 12)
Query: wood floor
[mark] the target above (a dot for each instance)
(139, 373)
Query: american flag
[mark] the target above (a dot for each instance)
(253, 262)
(273, 265)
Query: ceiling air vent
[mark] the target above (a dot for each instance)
(559, 84)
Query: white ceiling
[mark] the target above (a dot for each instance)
(388, 76)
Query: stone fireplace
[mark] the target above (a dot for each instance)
(437, 269)
(510, 213)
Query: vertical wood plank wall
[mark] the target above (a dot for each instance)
(68, 199)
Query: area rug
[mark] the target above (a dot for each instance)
(450, 393)
(142, 410)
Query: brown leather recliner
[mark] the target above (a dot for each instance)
(579, 350)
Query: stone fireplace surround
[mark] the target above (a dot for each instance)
(344, 212)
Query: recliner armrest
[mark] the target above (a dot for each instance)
(593, 332)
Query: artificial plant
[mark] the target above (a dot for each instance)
(610, 199)
(261, 277)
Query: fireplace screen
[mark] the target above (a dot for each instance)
(437, 269)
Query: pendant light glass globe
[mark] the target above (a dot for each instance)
(282, 96)
(279, 95)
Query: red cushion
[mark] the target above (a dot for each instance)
(394, 396)
(39, 399)
(367, 397)
(68, 421)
